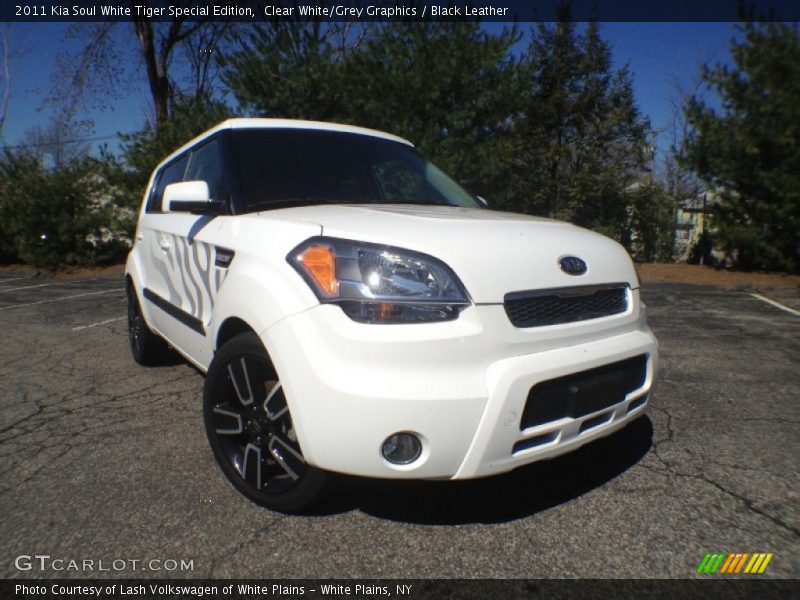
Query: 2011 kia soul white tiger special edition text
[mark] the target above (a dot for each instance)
(356, 310)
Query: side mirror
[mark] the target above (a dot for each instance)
(189, 196)
(482, 201)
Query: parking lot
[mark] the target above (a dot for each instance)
(103, 459)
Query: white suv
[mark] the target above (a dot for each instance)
(356, 310)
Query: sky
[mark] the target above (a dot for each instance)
(662, 58)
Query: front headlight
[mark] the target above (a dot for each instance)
(379, 284)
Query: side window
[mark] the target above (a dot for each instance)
(172, 173)
(205, 165)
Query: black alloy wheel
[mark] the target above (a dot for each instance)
(146, 347)
(250, 429)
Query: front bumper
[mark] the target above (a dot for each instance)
(461, 386)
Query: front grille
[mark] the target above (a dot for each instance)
(583, 393)
(565, 305)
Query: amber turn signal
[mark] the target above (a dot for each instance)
(320, 263)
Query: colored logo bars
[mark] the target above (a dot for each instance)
(734, 563)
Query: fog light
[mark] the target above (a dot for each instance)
(402, 448)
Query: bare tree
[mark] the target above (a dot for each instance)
(200, 51)
(158, 44)
(101, 69)
(6, 76)
(58, 143)
(682, 186)
(681, 183)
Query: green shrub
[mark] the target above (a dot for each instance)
(59, 216)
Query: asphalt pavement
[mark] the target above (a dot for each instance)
(104, 460)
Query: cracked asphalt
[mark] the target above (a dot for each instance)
(102, 459)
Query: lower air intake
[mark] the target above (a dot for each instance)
(583, 393)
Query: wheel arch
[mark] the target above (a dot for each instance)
(128, 280)
(135, 281)
(246, 303)
(230, 328)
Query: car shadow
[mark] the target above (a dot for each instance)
(169, 357)
(508, 497)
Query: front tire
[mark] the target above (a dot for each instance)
(250, 429)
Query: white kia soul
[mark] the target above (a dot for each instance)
(355, 310)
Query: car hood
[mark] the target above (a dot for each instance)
(492, 252)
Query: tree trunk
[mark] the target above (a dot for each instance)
(156, 76)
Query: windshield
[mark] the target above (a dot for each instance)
(286, 167)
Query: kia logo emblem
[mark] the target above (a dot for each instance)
(572, 265)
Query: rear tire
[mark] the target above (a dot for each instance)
(147, 348)
(250, 429)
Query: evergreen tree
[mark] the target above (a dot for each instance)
(290, 69)
(555, 132)
(748, 152)
(580, 141)
(144, 149)
(447, 87)
(58, 215)
(651, 221)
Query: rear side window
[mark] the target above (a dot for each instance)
(172, 173)
(206, 165)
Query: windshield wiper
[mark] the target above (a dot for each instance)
(313, 200)
(287, 202)
(419, 202)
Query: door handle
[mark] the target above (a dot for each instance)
(165, 245)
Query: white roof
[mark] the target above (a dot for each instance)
(257, 123)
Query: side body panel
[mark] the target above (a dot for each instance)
(260, 287)
(187, 281)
